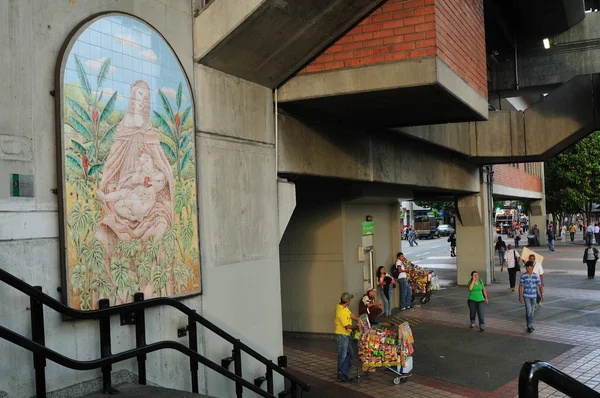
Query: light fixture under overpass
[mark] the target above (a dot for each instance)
(546, 43)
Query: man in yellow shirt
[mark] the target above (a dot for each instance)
(343, 329)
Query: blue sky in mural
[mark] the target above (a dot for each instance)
(137, 52)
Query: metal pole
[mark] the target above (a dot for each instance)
(237, 356)
(140, 337)
(193, 336)
(105, 348)
(37, 335)
(269, 379)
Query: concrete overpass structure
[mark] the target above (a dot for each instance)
(309, 117)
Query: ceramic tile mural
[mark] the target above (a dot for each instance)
(129, 167)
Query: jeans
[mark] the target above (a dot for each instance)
(413, 240)
(477, 307)
(591, 266)
(512, 276)
(405, 293)
(501, 255)
(388, 303)
(597, 236)
(345, 355)
(551, 244)
(588, 238)
(538, 297)
(529, 306)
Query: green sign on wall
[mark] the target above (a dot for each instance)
(368, 228)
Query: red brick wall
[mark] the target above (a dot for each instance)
(510, 176)
(406, 29)
(460, 32)
(399, 29)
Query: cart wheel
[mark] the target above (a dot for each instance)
(425, 300)
(403, 380)
(397, 380)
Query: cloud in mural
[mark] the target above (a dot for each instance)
(107, 93)
(96, 64)
(172, 93)
(127, 40)
(149, 55)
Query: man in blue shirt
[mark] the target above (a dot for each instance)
(528, 293)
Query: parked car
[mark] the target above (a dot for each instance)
(446, 230)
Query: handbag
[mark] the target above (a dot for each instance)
(516, 262)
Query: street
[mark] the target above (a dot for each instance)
(433, 254)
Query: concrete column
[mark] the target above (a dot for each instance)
(538, 216)
(473, 238)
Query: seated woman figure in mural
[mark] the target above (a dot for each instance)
(137, 183)
(137, 195)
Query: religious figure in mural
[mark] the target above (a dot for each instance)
(129, 167)
(137, 184)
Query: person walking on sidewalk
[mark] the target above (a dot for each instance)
(597, 234)
(539, 271)
(343, 329)
(572, 231)
(536, 232)
(477, 300)
(511, 260)
(551, 235)
(501, 248)
(589, 234)
(563, 234)
(405, 292)
(452, 240)
(518, 233)
(590, 257)
(528, 285)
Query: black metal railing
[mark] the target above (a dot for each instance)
(40, 352)
(534, 372)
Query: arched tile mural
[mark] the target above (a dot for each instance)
(128, 166)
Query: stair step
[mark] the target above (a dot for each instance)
(139, 391)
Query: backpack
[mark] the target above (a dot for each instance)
(394, 271)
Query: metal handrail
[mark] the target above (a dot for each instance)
(534, 372)
(70, 363)
(138, 307)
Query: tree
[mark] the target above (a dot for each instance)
(572, 178)
(435, 213)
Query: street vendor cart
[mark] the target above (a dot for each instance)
(388, 347)
(422, 282)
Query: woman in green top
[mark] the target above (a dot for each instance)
(478, 298)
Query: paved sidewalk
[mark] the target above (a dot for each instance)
(452, 360)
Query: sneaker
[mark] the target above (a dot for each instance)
(482, 329)
(402, 309)
(532, 328)
(341, 378)
(512, 289)
(540, 304)
(529, 330)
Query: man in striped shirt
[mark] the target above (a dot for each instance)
(528, 286)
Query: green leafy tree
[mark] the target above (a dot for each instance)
(572, 178)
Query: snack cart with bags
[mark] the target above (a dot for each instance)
(389, 347)
(422, 282)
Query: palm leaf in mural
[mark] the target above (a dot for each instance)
(78, 277)
(144, 266)
(160, 278)
(152, 249)
(79, 148)
(104, 69)
(162, 122)
(80, 128)
(94, 255)
(185, 115)
(74, 161)
(79, 110)
(119, 269)
(101, 285)
(179, 95)
(187, 233)
(83, 79)
(79, 218)
(95, 169)
(108, 135)
(108, 108)
(182, 198)
(169, 152)
(166, 105)
(186, 158)
(187, 137)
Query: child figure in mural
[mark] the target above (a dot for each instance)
(138, 193)
(137, 184)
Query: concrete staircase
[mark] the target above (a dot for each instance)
(129, 390)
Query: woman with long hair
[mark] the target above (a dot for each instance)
(386, 285)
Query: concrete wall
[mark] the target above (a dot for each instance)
(32, 32)
(319, 257)
(312, 265)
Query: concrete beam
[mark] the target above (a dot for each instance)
(504, 192)
(307, 148)
(574, 52)
(404, 93)
(266, 41)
